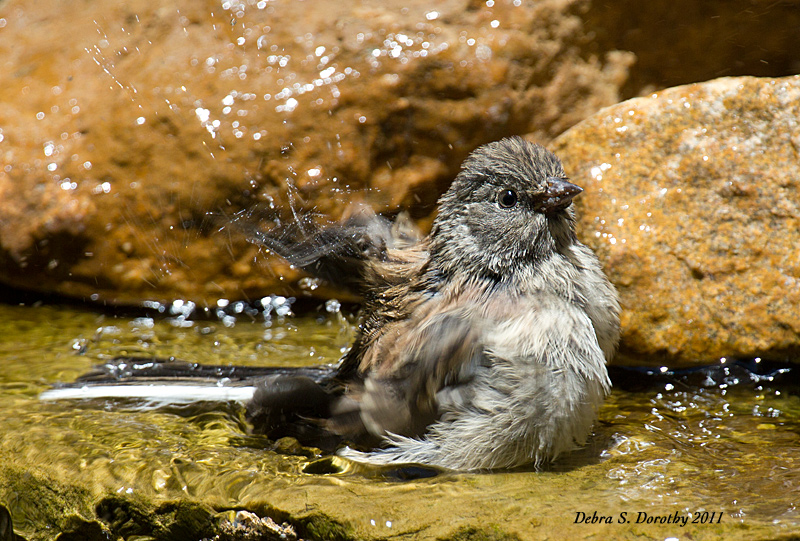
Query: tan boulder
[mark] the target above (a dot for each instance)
(692, 203)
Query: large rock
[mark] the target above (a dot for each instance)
(124, 124)
(691, 203)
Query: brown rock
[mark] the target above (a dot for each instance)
(684, 41)
(124, 124)
(691, 203)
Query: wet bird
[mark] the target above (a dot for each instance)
(483, 345)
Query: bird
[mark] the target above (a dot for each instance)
(483, 345)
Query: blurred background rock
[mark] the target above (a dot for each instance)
(130, 133)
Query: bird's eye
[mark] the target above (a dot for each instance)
(507, 199)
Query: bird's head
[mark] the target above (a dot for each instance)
(510, 206)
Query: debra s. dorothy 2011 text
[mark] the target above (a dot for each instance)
(642, 517)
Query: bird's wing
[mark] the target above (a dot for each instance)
(399, 395)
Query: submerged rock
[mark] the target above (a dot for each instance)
(7, 526)
(692, 205)
(246, 526)
(123, 125)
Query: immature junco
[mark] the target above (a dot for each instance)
(480, 346)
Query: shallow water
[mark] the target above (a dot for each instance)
(666, 445)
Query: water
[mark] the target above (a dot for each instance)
(665, 447)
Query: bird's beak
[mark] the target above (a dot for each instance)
(559, 194)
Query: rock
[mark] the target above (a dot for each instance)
(691, 203)
(7, 526)
(247, 526)
(124, 125)
(711, 39)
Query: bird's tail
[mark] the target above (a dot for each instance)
(150, 394)
(156, 382)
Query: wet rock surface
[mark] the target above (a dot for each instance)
(246, 526)
(118, 142)
(691, 204)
